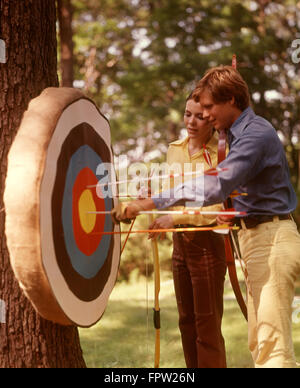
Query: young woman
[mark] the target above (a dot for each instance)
(198, 258)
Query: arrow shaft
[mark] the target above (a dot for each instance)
(233, 195)
(194, 212)
(179, 212)
(177, 175)
(175, 230)
(137, 179)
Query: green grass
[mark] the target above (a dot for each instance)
(124, 338)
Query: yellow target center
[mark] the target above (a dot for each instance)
(86, 204)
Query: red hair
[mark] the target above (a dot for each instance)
(224, 82)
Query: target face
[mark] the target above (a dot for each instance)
(80, 262)
(62, 260)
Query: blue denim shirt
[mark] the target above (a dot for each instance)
(256, 164)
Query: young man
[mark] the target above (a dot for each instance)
(269, 240)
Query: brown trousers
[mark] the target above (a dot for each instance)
(199, 270)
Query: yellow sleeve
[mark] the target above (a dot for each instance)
(165, 184)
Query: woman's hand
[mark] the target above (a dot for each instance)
(165, 222)
(221, 220)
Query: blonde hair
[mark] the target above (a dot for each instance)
(224, 82)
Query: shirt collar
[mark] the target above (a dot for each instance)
(240, 124)
(212, 145)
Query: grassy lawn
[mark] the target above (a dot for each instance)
(124, 338)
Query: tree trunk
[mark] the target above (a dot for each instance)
(28, 28)
(64, 11)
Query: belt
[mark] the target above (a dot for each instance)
(252, 221)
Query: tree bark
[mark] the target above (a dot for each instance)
(65, 14)
(29, 29)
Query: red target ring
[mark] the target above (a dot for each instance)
(86, 201)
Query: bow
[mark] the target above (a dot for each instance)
(156, 310)
(154, 245)
(228, 238)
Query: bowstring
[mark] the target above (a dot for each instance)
(147, 308)
(127, 237)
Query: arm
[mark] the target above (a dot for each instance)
(243, 163)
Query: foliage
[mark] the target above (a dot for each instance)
(124, 338)
(148, 55)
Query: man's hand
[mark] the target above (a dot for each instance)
(228, 220)
(125, 211)
(165, 222)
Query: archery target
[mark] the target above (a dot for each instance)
(80, 264)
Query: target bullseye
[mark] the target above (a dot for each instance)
(86, 205)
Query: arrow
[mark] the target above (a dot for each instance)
(213, 171)
(235, 194)
(173, 230)
(179, 212)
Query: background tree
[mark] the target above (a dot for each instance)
(148, 54)
(29, 29)
(65, 16)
